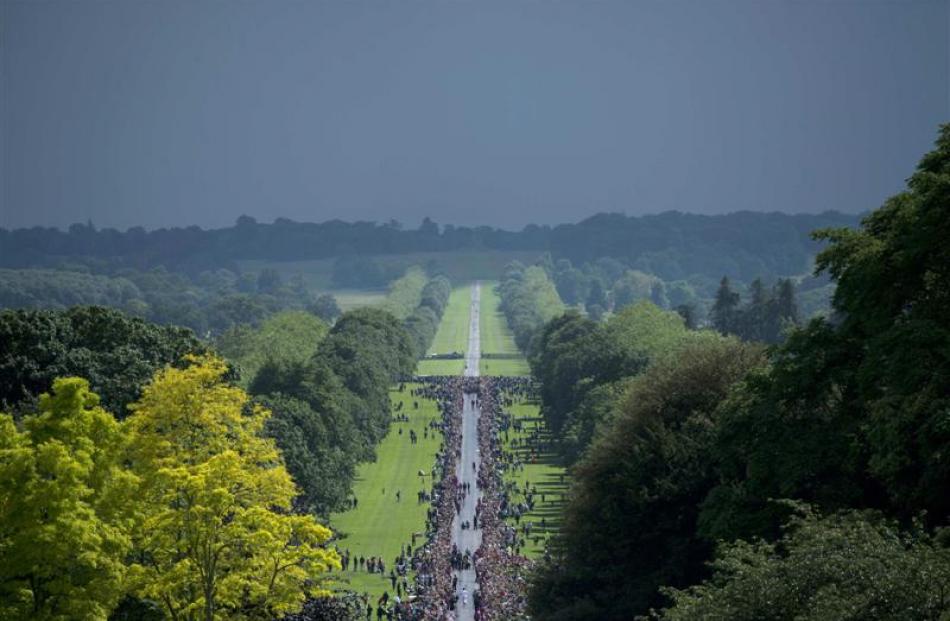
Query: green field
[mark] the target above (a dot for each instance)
(348, 299)
(541, 470)
(542, 473)
(451, 336)
(496, 338)
(380, 524)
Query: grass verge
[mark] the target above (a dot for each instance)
(380, 523)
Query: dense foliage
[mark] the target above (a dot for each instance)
(368, 349)
(116, 353)
(331, 410)
(185, 504)
(608, 283)
(671, 245)
(288, 336)
(211, 301)
(216, 537)
(631, 526)
(65, 508)
(404, 293)
(765, 317)
(325, 307)
(582, 365)
(423, 322)
(849, 567)
(31, 288)
(356, 272)
(847, 419)
(528, 300)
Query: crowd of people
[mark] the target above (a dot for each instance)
(499, 567)
(433, 562)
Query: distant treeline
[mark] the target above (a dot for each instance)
(671, 245)
(211, 301)
(532, 296)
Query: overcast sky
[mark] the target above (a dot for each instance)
(162, 113)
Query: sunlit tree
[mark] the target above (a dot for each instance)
(217, 540)
(64, 520)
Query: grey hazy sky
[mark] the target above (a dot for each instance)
(473, 112)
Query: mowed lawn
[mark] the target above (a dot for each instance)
(452, 335)
(496, 337)
(380, 524)
(348, 299)
(542, 473)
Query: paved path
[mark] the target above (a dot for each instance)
(469, 539)
(473, 354)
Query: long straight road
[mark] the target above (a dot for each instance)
(471, 538)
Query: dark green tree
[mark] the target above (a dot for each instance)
(316, 456)
(852, 566)
(725, 309)
(117, 353)
(325, 307)
(784, 310)
(630, 527)
(852, 412)
(269, 281)
(368, 349)
(688, 313)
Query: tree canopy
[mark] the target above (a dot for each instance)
(851, 566)
(217, 539)
(116, 353)
(631, 525)
(529, 300)
(288, 336)
(65, 520)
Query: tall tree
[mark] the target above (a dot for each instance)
(597, 295)
(216, 539)
(892, 297)
(284, 336)
(368, 349)
(726, 308)
(117, 353)
(852, 412)
(688, 313)
(65, 509)
(852, 566)
(269, 281)
(785, 312)
(325, 307)
(630, 527)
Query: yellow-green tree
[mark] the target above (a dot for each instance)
(217, 540)
(65, 525)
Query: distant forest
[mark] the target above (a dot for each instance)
(670, 245)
